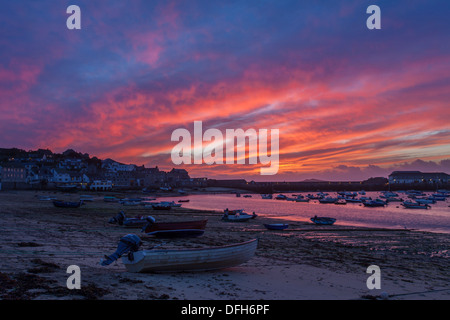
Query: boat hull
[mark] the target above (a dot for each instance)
(163, 228)
(323, 221)
(203, 259)
(276, 226)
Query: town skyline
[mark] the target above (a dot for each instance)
(70, 154)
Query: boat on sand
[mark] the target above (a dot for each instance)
(198, 259)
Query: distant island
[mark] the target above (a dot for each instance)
(44, 170)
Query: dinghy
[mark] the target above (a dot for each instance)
(276, 226)
(323, 220)
(178, 260)
(175, 229)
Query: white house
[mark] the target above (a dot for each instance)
(102, 185)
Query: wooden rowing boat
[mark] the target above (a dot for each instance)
(67, 204)
(178, 260)
(276, 226)
(176, 229)
(323, 220)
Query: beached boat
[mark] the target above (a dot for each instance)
(175, 229)
(341, 201)
(374, 203)
(161, 206)
(110, 199)
(281, 197)
(266, 196)
(185, 200)
(122, 220)
(67, 204)
(237, 216)
(328, 200)
(415, 205)
(202, 259)
(323, 220)
(276, 226)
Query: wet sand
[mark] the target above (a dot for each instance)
(39, 241)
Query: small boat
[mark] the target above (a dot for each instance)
(86, 198)
(328, 200)
(415, 205)
(110, 199)
(341, 201)
(247, 196)
(67, 204)
(161, 206)
(179, 260)
(237, 216)
(374, 203)
(323, 220)
(266, 196)
(281, 197)
(122, 220)
(175, 229)
(185, 200)
(276, 226)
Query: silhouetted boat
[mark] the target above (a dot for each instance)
(122, 220)
(276, 226)
(202, 259)
(67, 204)
(175, 229)
(415, 205)
(237, 216)
(323, 220)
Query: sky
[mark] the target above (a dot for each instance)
(350, 103)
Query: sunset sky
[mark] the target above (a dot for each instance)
(350, 103)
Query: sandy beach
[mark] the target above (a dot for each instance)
(304, 262)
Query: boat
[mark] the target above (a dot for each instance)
(175, 229)
(276, 226)
(247, 196)
(198, 259)
(110, 199)
(237, 216)
(161, 206)
(415, 205)
(374, 203)
(67, 204)
(122, 220)
(341, 201)
(328, 200)
(86, 198)
(266, 196)
(47, 199)
(323, 220)
(185, 200)
(281, 197)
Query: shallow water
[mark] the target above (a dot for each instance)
(394, 215)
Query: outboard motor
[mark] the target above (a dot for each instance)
(127, 244)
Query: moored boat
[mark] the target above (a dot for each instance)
(415, 205)
(67, 204)
(175, 229)
(276, 226)
(323, 220)
(198, 259)
(237, 216)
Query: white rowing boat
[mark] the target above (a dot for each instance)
(176, 260)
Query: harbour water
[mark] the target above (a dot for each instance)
(394, 215)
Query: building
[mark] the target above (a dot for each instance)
(417, 177)
(101, 185)
(14, 172)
